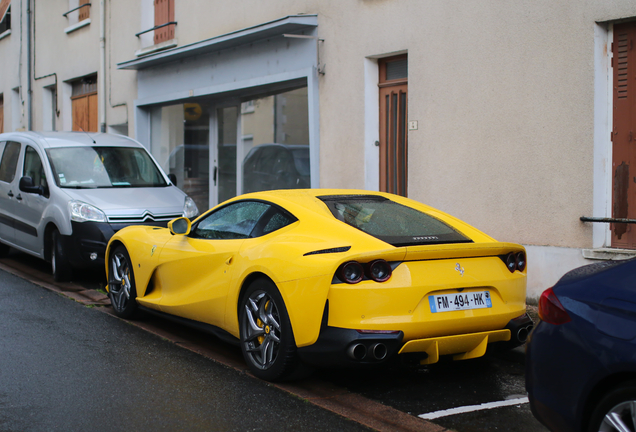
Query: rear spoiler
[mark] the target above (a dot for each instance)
(440, 251)
(464, 250)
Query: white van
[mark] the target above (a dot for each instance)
(64, 194)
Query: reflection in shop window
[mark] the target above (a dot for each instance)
(180, 143)
(276, 142)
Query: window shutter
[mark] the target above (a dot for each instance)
(624, 134)
(164, 12)
(4, 6)
(85, 12)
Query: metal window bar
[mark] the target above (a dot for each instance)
(607, 220)
(156, 27)
(73, 10)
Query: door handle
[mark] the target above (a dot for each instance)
(214, 175)
(10, 194)
(19, 197)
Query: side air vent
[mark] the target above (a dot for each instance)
(327, 251)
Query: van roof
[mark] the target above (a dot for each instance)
(72, 139)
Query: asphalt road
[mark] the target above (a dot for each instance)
(120, 375)
(67, 367)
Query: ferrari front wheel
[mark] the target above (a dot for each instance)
(121, 283)
(267, 340)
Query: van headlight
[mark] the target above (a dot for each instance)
(190, 209)
(83, 212)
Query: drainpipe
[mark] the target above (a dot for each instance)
(101, 76)
(29, 97)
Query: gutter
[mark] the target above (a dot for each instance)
(101, 75)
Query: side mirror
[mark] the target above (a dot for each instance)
(180, 225)
(172, 178)
(26, 185)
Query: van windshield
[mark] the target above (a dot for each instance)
(391, 222)
(103, 167)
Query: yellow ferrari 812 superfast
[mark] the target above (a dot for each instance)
(326, 278)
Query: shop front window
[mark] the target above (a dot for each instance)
(259, 144)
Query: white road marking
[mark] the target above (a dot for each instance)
(471, 408)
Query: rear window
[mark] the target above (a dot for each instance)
(391, 222)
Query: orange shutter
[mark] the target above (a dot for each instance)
(85, 12)
(4, 6)
(164, 12)
(624, 135)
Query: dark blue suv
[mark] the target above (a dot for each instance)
(581, 357)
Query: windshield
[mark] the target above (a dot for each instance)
(391, 222)
(103, 167)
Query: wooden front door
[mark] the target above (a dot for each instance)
(393, 125)
(624, 135)
(85, 113)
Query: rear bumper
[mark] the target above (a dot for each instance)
(348, 347)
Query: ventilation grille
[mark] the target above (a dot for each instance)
(146, 217)
(621, 65)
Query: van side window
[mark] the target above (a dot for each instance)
(33, 167)
(9, 161)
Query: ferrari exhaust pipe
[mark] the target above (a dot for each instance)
(523, 332)
(357, 351)
(378, 351)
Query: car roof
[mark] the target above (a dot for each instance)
(300, 200)
(73, 139)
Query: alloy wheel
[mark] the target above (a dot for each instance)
(262, 330)
(621, 418)
(119, 285)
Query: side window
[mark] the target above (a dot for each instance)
(235, 221)
(9, 161)
(33, 167)
(278, 221)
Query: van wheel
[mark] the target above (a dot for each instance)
(4, 250)
(59, 261)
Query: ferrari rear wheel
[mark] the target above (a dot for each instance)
(267, 340)
(121, 283)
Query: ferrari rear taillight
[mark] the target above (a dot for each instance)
(551, 310)
(378, 270)
(350, 272)
(353, 272)
(515, 261)
(520, 259)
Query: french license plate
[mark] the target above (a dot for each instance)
(460, 301)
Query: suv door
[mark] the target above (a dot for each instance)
(8, 189)
(30, 206)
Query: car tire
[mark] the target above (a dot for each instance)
(4, 250)
(618, 405)
(267, 339)
(60, 266)
(122, 290)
